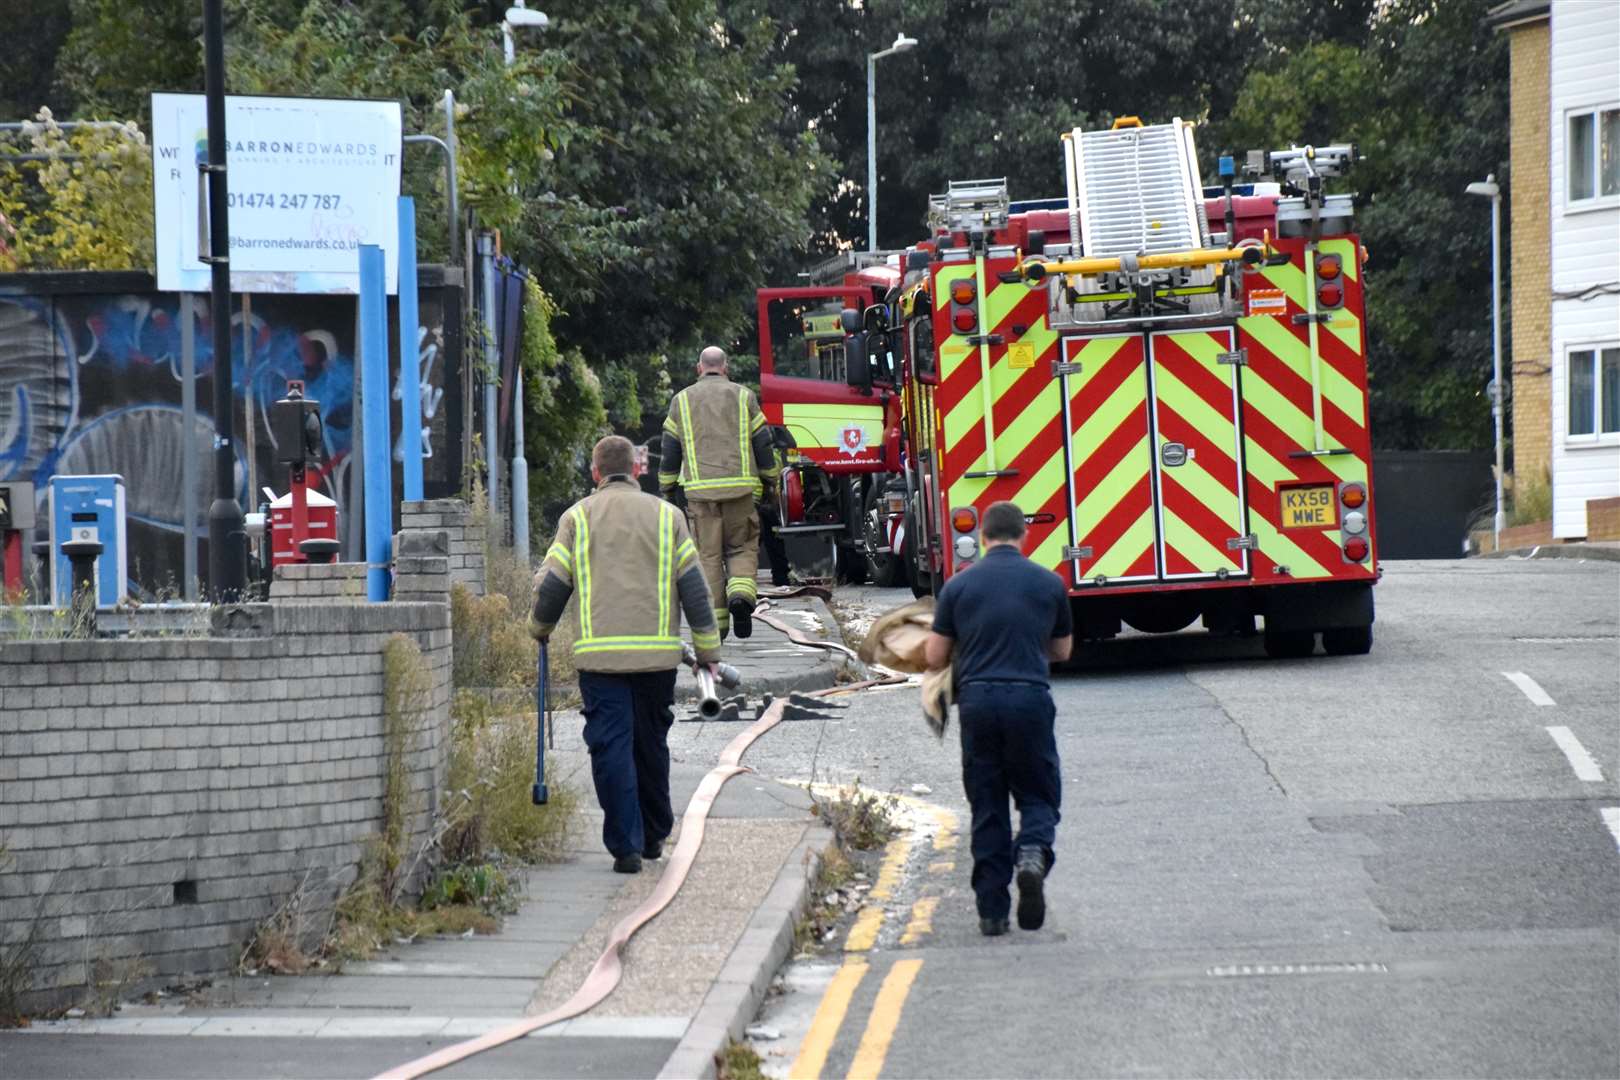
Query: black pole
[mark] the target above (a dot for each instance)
(227, 540)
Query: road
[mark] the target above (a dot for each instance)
(1405, 864)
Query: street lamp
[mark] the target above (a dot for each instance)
(901, 44)
(1489, 189)
(519, 16)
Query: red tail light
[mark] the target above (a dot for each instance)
(965, 321)
(964, 520)
(1330, 294)
(1355, 549)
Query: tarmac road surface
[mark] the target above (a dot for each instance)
(1404, 864)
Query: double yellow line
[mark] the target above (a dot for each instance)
(884, 1018)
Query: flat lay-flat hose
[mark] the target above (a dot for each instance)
(604, 976)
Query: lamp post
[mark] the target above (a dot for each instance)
(1489, 189)
(227, 538)
(901, 44)
(519, 16)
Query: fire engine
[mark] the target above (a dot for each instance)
(1169, 380)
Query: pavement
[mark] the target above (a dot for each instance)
(692, 978)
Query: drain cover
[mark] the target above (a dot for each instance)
(1230, 971)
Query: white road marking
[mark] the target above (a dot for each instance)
(1531, 688)
(1585, 765)
(1611, 818)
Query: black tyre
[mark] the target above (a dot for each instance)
(1347, 641)
(1290, 644)
(886, 569)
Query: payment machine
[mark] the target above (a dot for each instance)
(89, 508)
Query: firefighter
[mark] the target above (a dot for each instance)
(719, 450)
(1000, 624)
(630, 559)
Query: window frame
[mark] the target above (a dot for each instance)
(1597, 200)
(1597, 436)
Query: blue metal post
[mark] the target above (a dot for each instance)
(374, 406)
(410, 374)
(542, 704)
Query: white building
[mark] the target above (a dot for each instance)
(1584, 159)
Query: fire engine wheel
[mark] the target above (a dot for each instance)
(1347, 641)
(1290, 644)
(884, 569)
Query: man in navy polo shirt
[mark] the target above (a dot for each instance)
(1001, 623)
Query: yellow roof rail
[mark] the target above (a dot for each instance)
(1125, 122)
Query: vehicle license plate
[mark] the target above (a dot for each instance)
(1309, 508)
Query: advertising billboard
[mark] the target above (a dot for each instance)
(309, 181)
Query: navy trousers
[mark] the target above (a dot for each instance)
(1008, 749)
(627, 721)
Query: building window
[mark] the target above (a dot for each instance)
(1594, 392)
(1594, 154)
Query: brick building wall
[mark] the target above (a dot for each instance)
(1529, 207)
(161, 797)
(465, 538)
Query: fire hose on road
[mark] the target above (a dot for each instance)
(605, 974)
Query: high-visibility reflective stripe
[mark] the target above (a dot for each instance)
(666, 565)
(744, 453)
(671, 427)
(684, 555)
(723, 481)
(626, 644)
(668, 479)
(706, 639)
(742, 586)
(560, 556)
(758, 422)
(582, 571)
(689, 462)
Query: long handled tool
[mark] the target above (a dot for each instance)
(542, 704)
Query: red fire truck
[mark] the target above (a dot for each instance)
(1170, 381)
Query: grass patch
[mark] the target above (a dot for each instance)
(1531, 500)
(738, 1061)
(490, 815)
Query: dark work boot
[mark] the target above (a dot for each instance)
(631, 864)
(1030, 873)
(653, 851)
(992, 927)
(742, 616)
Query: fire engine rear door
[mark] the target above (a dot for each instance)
(1198, 456)
(1108, 417)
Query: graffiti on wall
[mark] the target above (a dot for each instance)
(92, 383)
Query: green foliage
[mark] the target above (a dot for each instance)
(492, 647)
(491, 816)
(861, 819)
(564, 405)
(19, 955)
(87, 207)
(739, 1061)
(484, 886)
(119, 51)
(1530, 500)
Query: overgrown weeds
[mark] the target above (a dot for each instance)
(19, 956)
(490, 814)
(828, 902)
(1531, 500)
(738, 1061)
(860, 819)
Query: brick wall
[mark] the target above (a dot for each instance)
(161, 797)
(1603, 519)
(319, 583)
(465, 538)
(1528, 208)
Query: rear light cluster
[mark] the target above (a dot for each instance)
(965, 523)
(1353, 499)
(964, 316)
(1329, 286)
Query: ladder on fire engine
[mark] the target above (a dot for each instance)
(1134, 190)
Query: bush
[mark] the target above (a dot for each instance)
(491, 814)
(1531, 500)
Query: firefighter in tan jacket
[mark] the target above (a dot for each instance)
(628, 558)
(718, 448)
